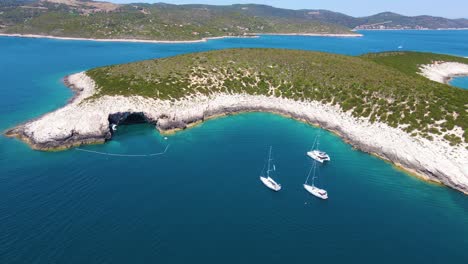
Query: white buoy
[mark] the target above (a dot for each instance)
(114, 127)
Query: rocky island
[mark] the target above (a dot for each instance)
(386, 104)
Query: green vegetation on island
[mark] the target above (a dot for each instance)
(382, 87)
(105, 20)
(87, 19)
(409, 62)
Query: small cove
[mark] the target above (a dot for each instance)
(461, 82)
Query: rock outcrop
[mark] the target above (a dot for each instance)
(442, 72)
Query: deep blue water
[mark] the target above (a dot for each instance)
(203, 202)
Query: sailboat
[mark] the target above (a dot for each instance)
(312, 189)
(268, 181)
(401, 45)
(317, 154)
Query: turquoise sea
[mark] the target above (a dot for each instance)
(202, 202)
(461, 82)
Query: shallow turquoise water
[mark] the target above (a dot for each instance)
(461, 82)
(203, 201)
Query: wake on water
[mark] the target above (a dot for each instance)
(124, 155)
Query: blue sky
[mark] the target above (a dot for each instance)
(446, 8)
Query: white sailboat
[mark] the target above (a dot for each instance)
(317, 154)
(267, 180)
(312, 189)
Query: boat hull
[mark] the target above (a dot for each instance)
(317, 192)
(312, 155)
(271, 184)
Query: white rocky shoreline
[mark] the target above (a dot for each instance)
(443, 72)
(89, 121)
(122, 40)
(252, 35)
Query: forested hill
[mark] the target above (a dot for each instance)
(90, 19)
(385, 20)
(105, 20)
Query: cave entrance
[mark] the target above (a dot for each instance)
(134, 118)
(127, 118)
(128, 128)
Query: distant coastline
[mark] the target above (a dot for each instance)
(311, 34)
(409, 29)
(121, 40)
(254, 35)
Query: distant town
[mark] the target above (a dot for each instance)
(384, 26)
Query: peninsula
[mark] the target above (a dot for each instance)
(383, 103)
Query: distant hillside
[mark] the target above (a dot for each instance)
(390, 20)
(6, 3)
(91, 19)
(386, 20)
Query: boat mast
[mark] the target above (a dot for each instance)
(318, 140)
(315, 169)
(269, 160)
(308, 174)
(313, 145)
(313, 178)
(312, 168)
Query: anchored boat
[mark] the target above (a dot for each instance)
(268, 180)
(312, 189)
(317, 154)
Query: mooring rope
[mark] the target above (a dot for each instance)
(124, 155)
